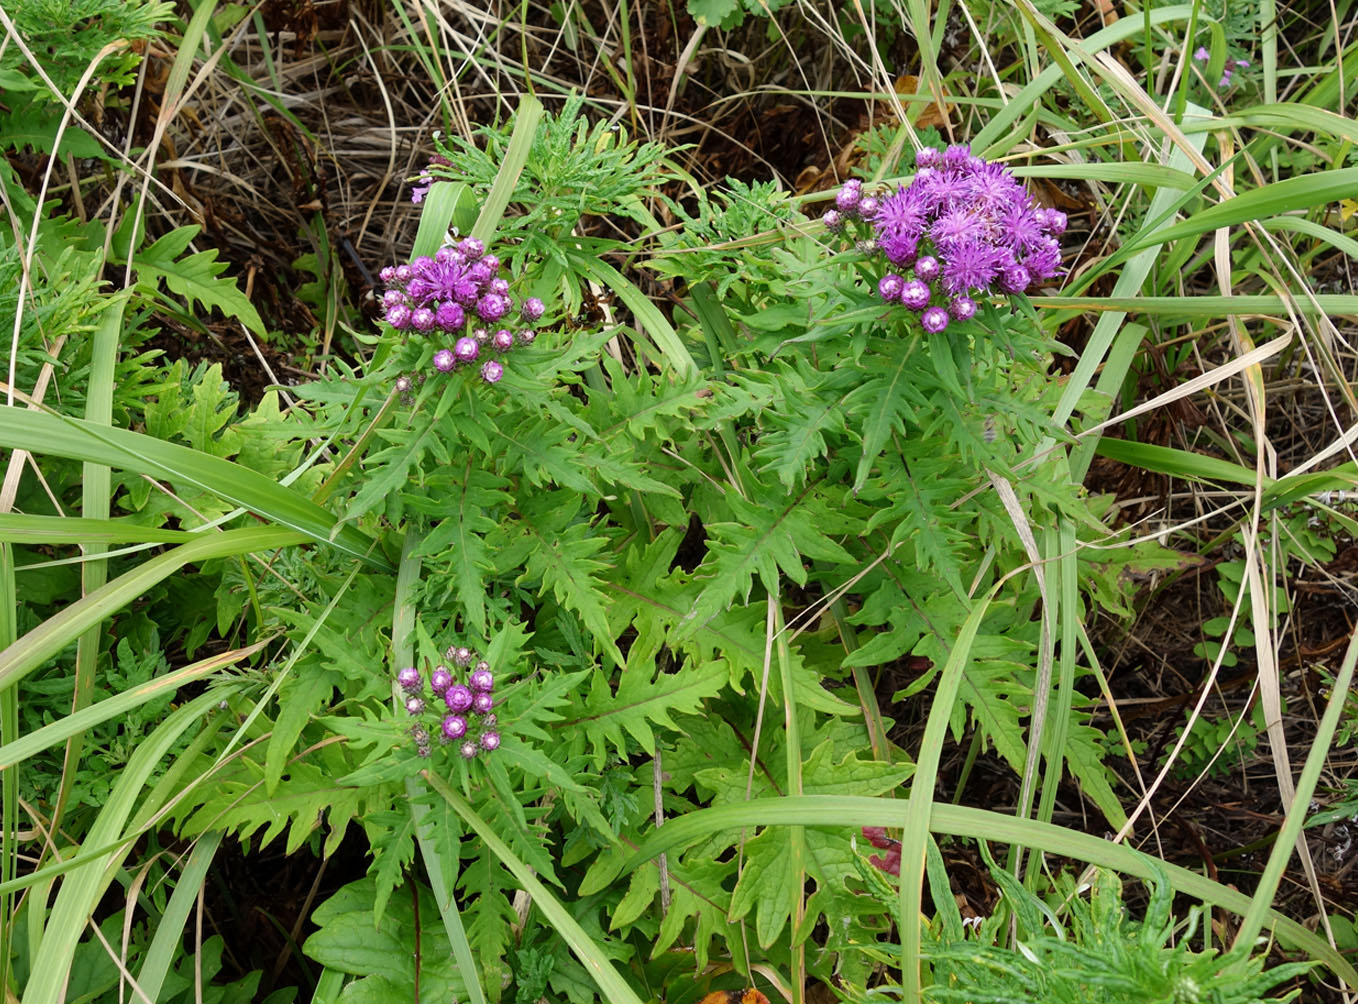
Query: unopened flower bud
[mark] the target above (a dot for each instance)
(502, 340)
(492, 371)
(532, 309)
(415, 705)
(468, 750)
(482, 679)
(490, 741)
(440, 680)
(409, 678)
(462, 656)
(466, 350)
(454, 727)
(458, 698)
(444, 360)
(482, 702)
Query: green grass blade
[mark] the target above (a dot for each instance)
(43, 433)
(166, 943)
(1180, 463)
(82, 888)
(47, 639)
(1285, 845)
(49, 735)
(507, 178)
(915, 837)
(615, 989)
(852, 811)
(651, 320)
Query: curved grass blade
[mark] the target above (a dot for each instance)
(58, 631)
(615, 989)
(853, 811)
(43, 433)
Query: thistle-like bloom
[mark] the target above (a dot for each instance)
(490, 741)
(915, 295)
(454, 727)
(964, 228)
(466, 350)
(934, 320)
(482, 702)
(491, 307)
(849, 196)
(444, 360)
(450, 316)
(481, 680)
(409, 679)
(462, 656)
(532, 309)
(889, 287)
(963, 308)
(440, 680)
(458, 698)
(415, 705)
(502, 340)
(492, 370)
(833, 220)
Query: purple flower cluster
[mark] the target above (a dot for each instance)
(1203, 56)
(963, 229)
(467, 717)
(458, 296)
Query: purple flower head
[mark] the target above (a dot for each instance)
(388, 274)
(418, 192)
(471, 247)
(889, 287)
(403, 384)
(935, 319)
(833, 220)
(1022, 228)
(480, 273)
(444, 360)
(498, 286)
(928, 157)
(956, 156)
(963, 308)
(532, 309)
(1044, 262)
(462, 655)
(926, 268)
(491, 307)
(849, 196)
(415, 705)
(458, 698)
(491, 262)
(468, 750)
(466, 349)
(526, 336)
(900, 250)
(915, 294)
(391, 298)
(440, 680)
(960, 226)
(902, 214)
(502, 340)
(492, 371)
(465, 290)
(404, 273)
(1241, 64)
(422, 319)
(969, 266)
(448, 256)
(1225, 80)
(490, 741)
(489, 721)
(454, 727)
(482, 680)
(482, 702)
(1014, 279)
(867, 206)
(450, 316)
(409, 679)
(398, 316)
(1202, 55)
